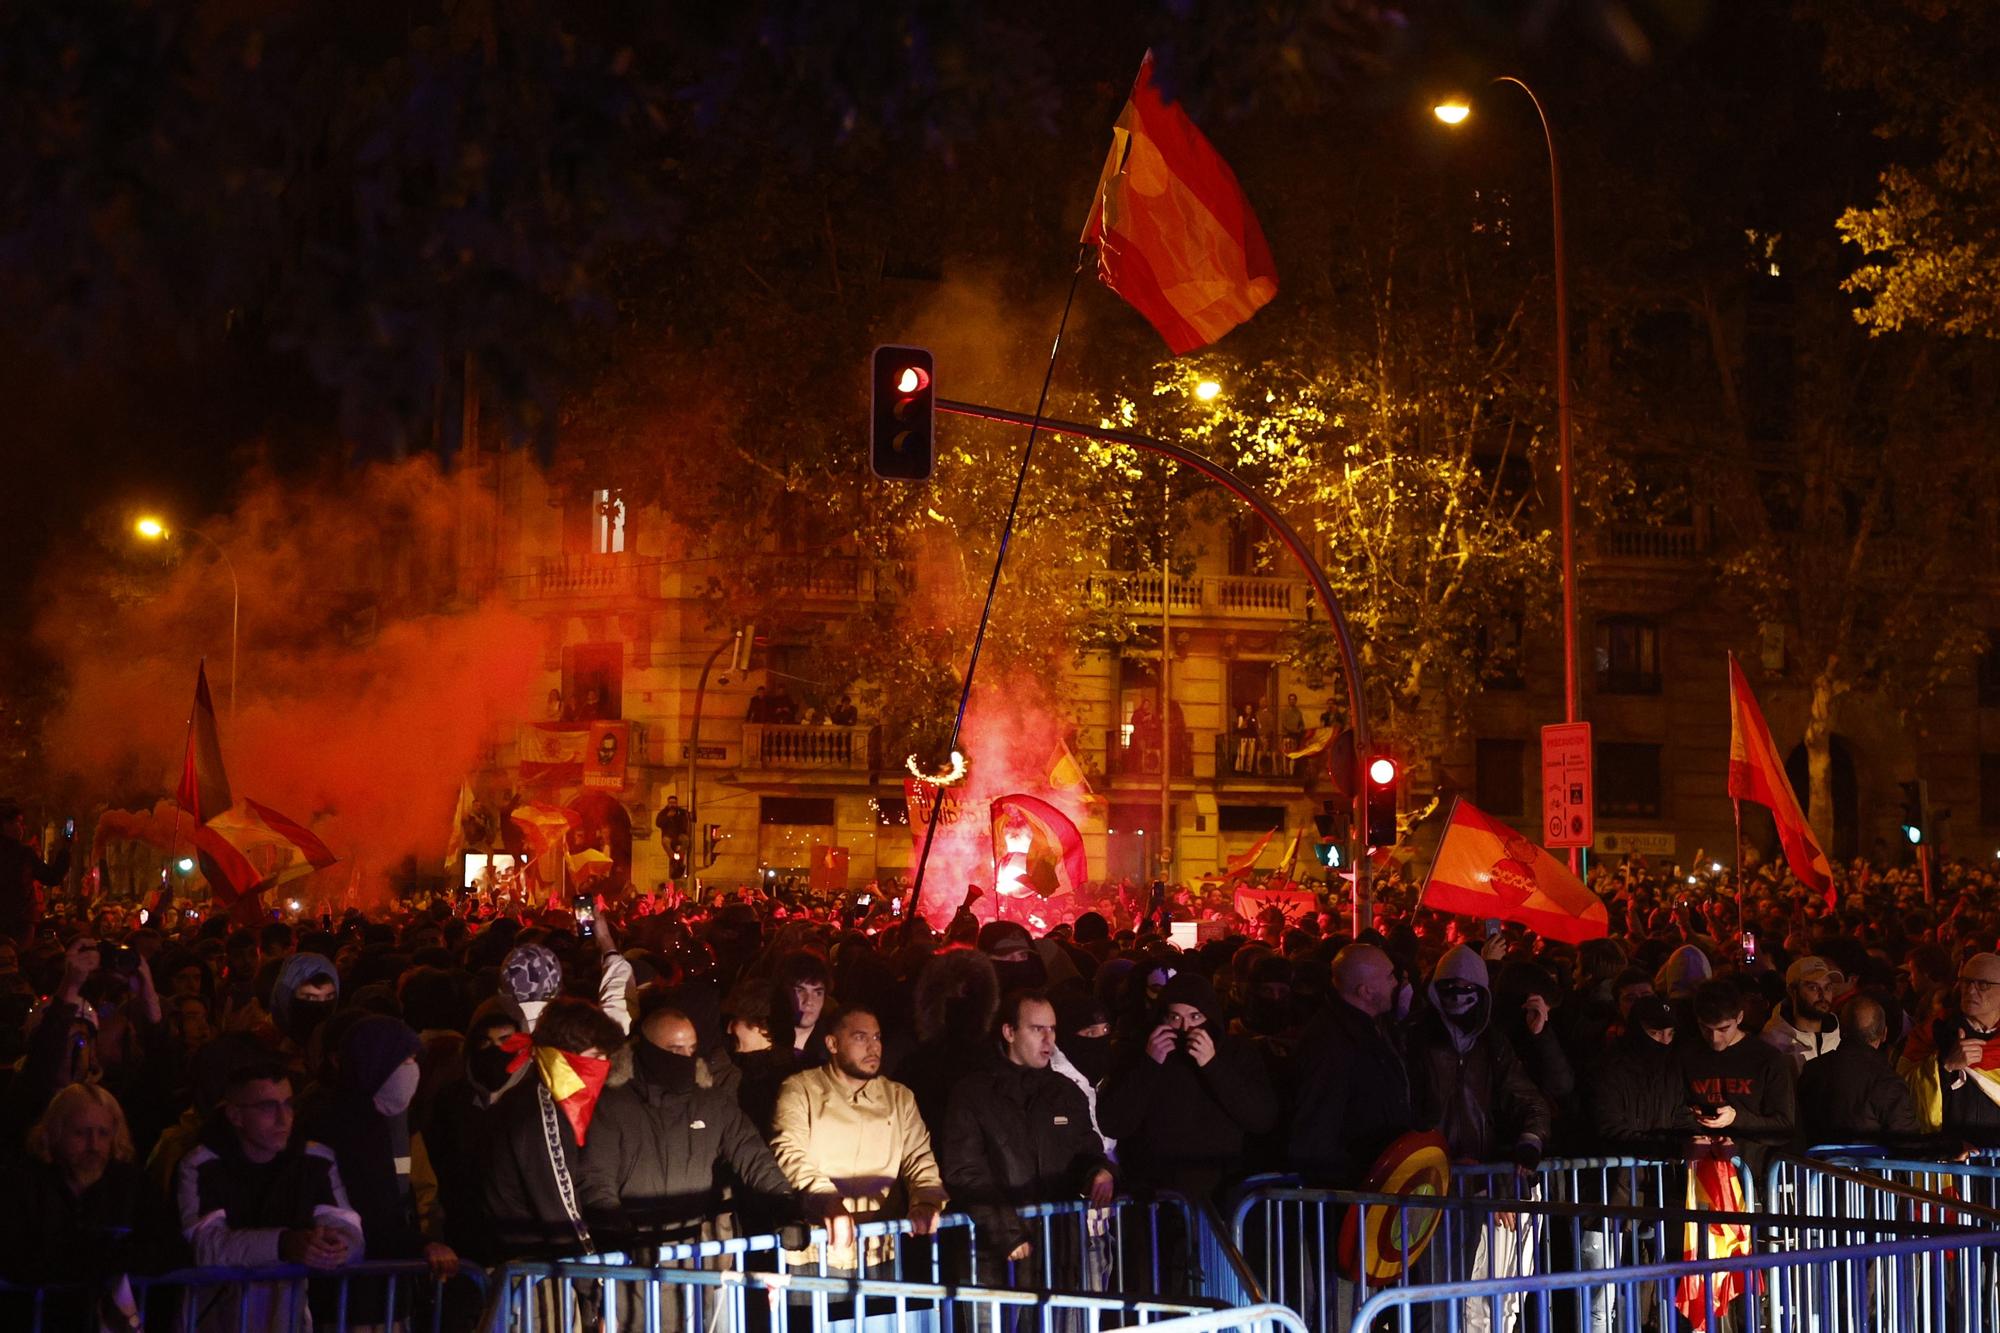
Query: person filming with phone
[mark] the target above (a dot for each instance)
(24, 874)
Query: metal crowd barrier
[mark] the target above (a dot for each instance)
(1167, 1246)
(1974, 1182)
(893, 1248)
(1252, 1319)
(279, 1298)
(1937, 1284)
(563, 1297)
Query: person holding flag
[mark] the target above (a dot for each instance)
(1953, 1064)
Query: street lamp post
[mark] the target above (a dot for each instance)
(153, 529)
(1455, 113)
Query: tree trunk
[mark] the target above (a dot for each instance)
(1826, 691)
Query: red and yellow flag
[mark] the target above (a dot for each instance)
(574, 1081)
(252, 847)
(204, 787)
(1920, 1069)
(1757, 774)
(1175, 235)
(1035, 847)
(1486, 868)
(1712, 1186)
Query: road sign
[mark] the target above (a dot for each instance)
(1568, 798)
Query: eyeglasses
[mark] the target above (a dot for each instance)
(1977, 985)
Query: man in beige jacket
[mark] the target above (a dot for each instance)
(853, 1143)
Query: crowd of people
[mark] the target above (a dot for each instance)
(424, 1084)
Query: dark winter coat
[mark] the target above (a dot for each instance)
(1353, 1099)
(1180, 1125)
(1636, 1097)
(1853, 1095)
(121, 1224)
(522, 1196)
(1016, 1136)
(1465, 1080)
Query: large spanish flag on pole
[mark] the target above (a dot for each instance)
(1486, 868)
(255, 847)
(1757, 774)
(203, 792)
(1174, 233)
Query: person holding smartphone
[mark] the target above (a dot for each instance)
(24, 874)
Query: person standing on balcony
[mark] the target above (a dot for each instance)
(783, 711)
(1291, 729)
(760, 707)
(1246, 739)
(1145, 741)
(1269, 759)
(844, 713)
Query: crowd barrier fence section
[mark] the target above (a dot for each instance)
(1264, 1318)
(567, 1297)
(280, 1298)
(1921, 1284)
(890, 1246)
(1168, 1246)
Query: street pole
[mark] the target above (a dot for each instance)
(1363, 907)
(1166, 857)
(235, 609)
(1565, 459)
(694, 755)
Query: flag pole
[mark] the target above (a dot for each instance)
(174, 842)
(1736, 806)
(993, 584)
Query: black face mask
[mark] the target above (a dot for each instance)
(1028, 973)
(487, 1067)
(1090, 1055)
(663, 1069)
(307, 1015)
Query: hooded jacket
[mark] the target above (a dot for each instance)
(461, 1121)
(1180, 1125)
(666, 1155)
(374, 1151)
(1636, 1096)
(957, 996)
(296, 971)
(1785, 1036)
(1686, 968)
(1465, 1080)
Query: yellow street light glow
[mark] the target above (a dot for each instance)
(150, 528)
(1452, 113)
(1208, 391)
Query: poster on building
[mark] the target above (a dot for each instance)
(551, 753)
(964, 849)
(605, 762)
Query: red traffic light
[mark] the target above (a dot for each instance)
(1382, 771)
(913, 379)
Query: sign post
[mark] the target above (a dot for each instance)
(1568, 794)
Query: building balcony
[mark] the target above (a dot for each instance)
(817, 578)
(1248, 762)
(1130, 754)
(1206, 596)
(804, 748)
(603, 578)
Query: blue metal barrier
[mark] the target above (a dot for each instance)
(1168, 1246)
(273, 1297)
(559, 1298)
(1251, 1319)
(1930, 1284)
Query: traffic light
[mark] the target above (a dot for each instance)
(1916, 812)
(1381, 778)
(711, 843)
(902, 414)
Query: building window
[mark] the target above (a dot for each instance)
(1989, 671)
(595, 524)
(1502, 782)
(1628, 655)
(593, 681)
(1499, 649)
(1989, 791)
(1251, 818)
(891, 811)
(1628, 780)
(809, 810)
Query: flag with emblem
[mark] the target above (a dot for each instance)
(1036, 848)
(1484, 867)
(253, 847)
(1713, 1185)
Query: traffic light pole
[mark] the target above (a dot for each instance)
(1357, 706)
(694, 757)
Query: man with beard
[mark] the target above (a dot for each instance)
(853, 1141)
(1953, 1064)
(1354, 1091)
(1802, 1026)
(1019, 1133)
(668, 1141)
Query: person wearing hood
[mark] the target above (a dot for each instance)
(1803, 1025)
(1686, 968)
(462, 1119)
(364, 1117)
(303, 997)
(1183, 1103)
(1083, 1047)
(531, 976)
(1466, 1081)
(1354, 1091)
(1636, 1093)
(1018, 1133)
(668, 1140)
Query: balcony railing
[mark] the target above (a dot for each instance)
(1256, 759)
(1677, 544)
(826, 748)
(1243, 596)
(836, 578)
(1134, 753)
(591, 576)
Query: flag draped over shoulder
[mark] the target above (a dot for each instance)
(203, 792)
(1757, 774)
(1920, 1069)
(1035, 845)
(1486, 868)
(1175, 235)
(574, 1081)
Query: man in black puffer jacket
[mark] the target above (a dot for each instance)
(1019, 1133)
(667, 1142)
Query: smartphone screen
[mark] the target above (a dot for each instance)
(69, 828)
(896, 906)
(586, 916)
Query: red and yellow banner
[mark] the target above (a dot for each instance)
(1486, 868)
(1757, 774)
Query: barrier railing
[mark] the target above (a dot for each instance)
(1937, 1284)
(1252, 1319)
(278, 1296)
(890, 1246)
(561, 1297)
(1169, 1246)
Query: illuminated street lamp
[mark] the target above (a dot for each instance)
(154, 529)
(1208, 391)
(1455, 112)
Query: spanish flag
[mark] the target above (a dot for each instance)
(1036, 846)
(1712, 1186)
(574, 1081)
(1927, 1078)
(1175, 236)
(204, 786)
(1485, 868)
(1757, 774)
(250, 847)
